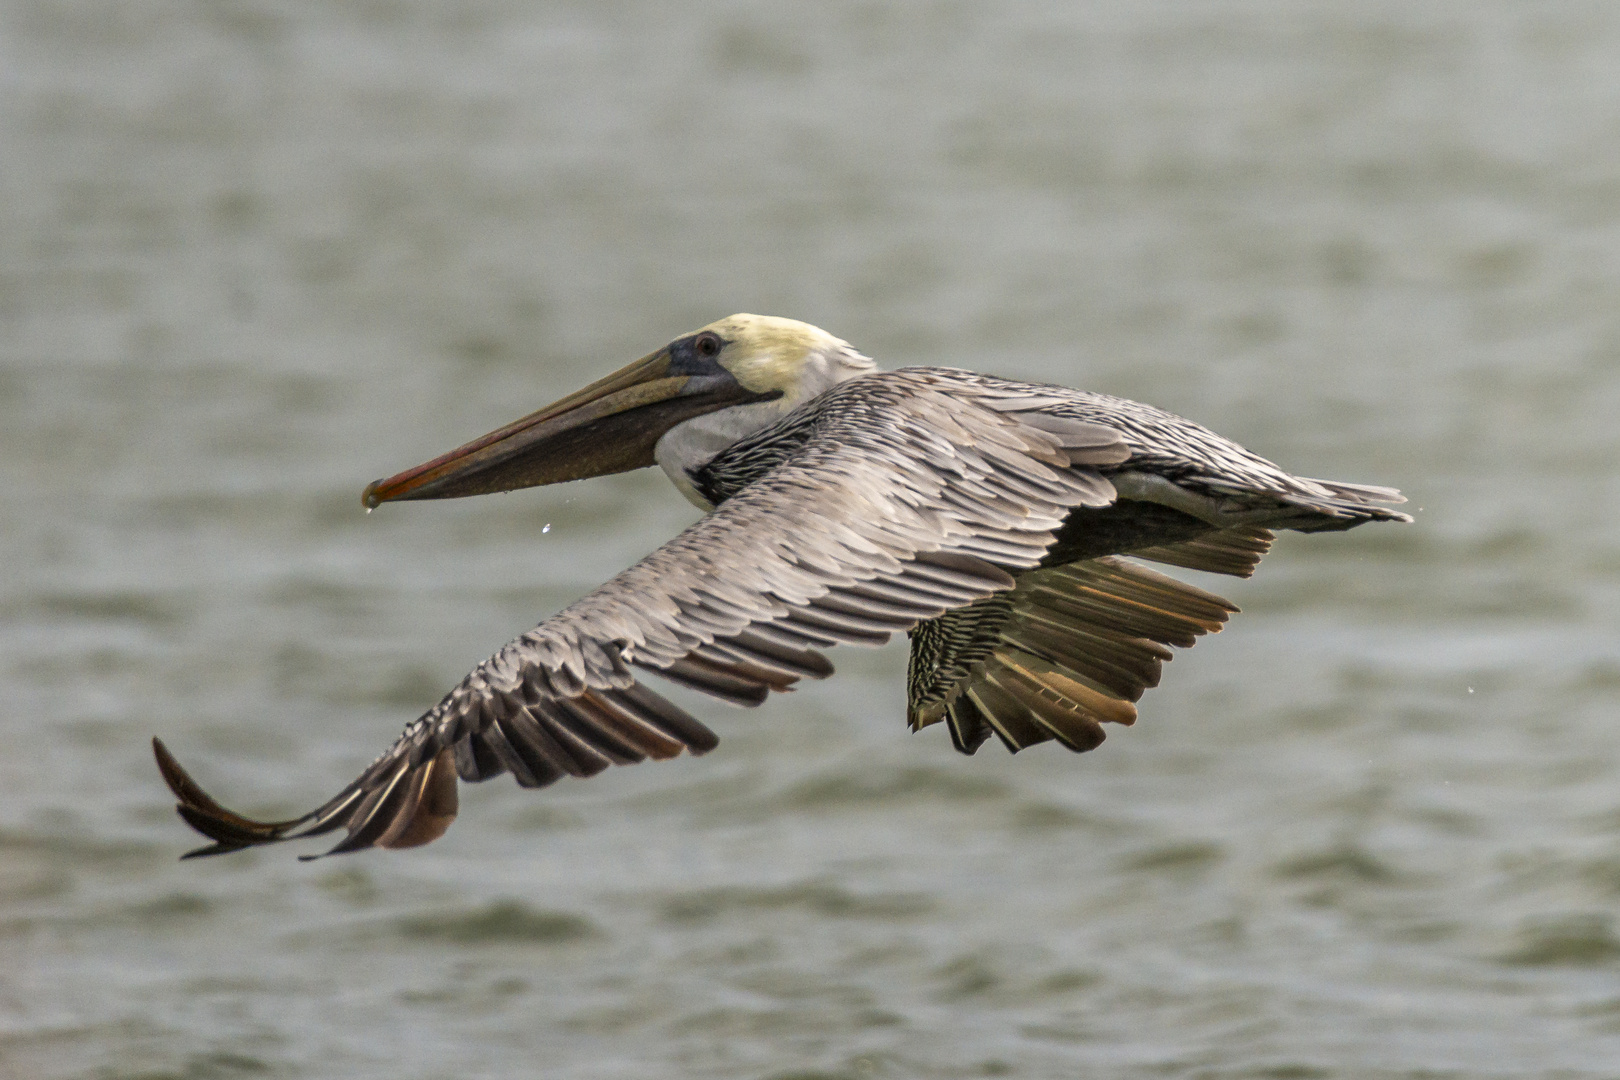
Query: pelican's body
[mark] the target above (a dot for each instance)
(983, 516)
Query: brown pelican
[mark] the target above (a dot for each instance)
(983, 516)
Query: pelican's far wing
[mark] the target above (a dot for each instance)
(1235, 551)
(1070, 649)
(893, 498)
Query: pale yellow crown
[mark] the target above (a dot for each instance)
(766, 353)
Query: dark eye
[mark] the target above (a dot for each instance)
(708, 345)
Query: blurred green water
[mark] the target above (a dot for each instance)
(253, 255)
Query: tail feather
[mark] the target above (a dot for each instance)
(1360, 493)
(1347, 506)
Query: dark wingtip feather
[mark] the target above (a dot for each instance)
(196, 808)
(229, 830)
(185, 789)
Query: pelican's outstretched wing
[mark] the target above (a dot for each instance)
(897, 497)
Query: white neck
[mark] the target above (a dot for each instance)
(695, 442)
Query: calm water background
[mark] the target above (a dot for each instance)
(254, 254)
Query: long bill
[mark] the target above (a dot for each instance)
(610, 426)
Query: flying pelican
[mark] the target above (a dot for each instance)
(983, 516)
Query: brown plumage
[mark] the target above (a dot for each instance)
(982, 516)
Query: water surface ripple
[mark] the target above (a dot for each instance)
(254, 254)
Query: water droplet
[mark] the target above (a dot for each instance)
(1470, 689)
(547, 529)
(369, 509)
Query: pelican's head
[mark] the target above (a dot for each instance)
(736, 375)
(783, 357)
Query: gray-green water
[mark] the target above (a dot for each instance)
(254, 254)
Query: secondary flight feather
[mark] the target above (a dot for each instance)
(984, 517)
